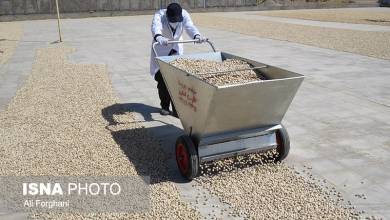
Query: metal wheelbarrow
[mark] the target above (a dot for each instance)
(229, 120)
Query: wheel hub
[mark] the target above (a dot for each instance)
(182, 158)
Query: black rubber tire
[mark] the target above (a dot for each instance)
(193, 163)
(283, 144)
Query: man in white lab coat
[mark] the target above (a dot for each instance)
(168, 25)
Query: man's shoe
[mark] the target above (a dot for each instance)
(164, 112)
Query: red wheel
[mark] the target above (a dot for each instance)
(182, 158)
(283, 144)
(187, 157)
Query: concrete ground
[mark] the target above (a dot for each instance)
(339, 122)
(353, 38)
(375, 16)
(263, 16)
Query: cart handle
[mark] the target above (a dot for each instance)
(182, 42)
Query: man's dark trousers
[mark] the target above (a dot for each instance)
(163, 93)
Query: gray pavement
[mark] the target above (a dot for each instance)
(14, 72)
(339, 122)
(325, 24)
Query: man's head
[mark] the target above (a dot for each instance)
(174, 13)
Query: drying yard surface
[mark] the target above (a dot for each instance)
(228, 72)
(10, 33)
(66, 120)
(270, 191)
(54, 126)
(375, 44)
(345, 15)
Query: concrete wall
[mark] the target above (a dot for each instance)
(20, 7)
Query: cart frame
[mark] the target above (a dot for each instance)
(213, 133)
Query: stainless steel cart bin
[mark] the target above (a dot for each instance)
(223, 121)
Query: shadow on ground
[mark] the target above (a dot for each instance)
(149, 149)
(120, 109)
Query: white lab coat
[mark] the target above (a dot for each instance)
(160, 25)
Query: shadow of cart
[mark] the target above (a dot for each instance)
(149, 149)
